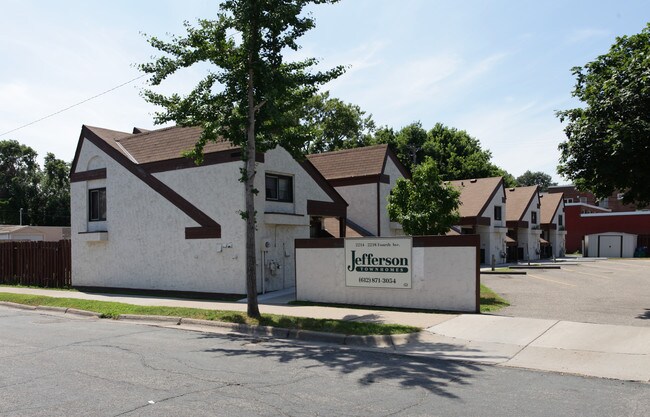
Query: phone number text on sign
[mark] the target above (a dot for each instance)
(378, 262)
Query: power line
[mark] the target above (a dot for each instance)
(74, 105)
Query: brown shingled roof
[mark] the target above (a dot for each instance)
(475, 194)
(350, 163)
(517, 201)
(550, 203)
(110, 136)
(158, 145)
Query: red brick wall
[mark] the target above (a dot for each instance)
(577, 227)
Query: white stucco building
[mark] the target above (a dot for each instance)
(553, 224)
(145, 217)
(483, 211)
(364, 177)
(523, 220)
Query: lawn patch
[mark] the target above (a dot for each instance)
(491, 301)
(112, 310)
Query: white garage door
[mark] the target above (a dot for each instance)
(610, 246)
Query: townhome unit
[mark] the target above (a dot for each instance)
(145, 217)
(553, 225)
(524, 223)
(364, 177)
(483, 212)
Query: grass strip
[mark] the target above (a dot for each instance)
(113, 310)
(491, 301)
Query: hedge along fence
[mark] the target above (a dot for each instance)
(41, 264)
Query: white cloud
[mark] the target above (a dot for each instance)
(582, 35)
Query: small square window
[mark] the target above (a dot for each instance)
(279, 188)
(497, 212)
(97, 204)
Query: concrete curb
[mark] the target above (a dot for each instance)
(309, 335)
(264, 331)
(84, 313)
(503, 272)
(16, 305)
(51, 308)
(536, 267)
(156, 319)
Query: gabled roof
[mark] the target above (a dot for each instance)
(158, 145)
(476, 194)
(550, 203)
(355, 163)
(518, 200)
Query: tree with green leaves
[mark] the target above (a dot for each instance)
(608, 138)
(538, 178)
(20, 176)
(250, 96)
(54, 192)
(334, 124)
(424, 205)
(458, 155)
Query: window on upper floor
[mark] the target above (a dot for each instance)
(497, 213)
(560, 220)
(279, 188)
(568, 200)
(533, 217)
(97, 204)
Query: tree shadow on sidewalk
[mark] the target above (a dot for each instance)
(644, 316)
(433, 375)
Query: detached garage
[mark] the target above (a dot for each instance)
(610, 245)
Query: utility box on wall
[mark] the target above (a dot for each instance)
(442, 272)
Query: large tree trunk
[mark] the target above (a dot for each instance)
(251, 270)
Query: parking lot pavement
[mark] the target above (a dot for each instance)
(615, 291)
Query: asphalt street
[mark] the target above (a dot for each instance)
(62, 366)
(615, 291)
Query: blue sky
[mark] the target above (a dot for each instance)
(498, 69)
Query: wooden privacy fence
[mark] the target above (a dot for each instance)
(42, 264)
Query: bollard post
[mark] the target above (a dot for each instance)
(494, 261)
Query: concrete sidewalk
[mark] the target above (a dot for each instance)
(607, 351)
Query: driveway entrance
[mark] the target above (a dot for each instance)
(615, 291)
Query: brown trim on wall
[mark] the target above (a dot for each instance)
(344, 182)
(93, 174)
(440, 241)
(232, 155)
(500, 186)
(378, 209)
(342, 227)
(326, 243)
(75, 160)
(324, 184)
(363, 232)
(202, 232)
(474, 221)
(402, 169)
(514, 224)
(324, 208)
(166, 192)
(478, 276)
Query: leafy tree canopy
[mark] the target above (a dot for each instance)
(608, 139)
(333, 124)
(250, 96)
(458, 155)
(539, 178)
(44, 196)
(424, 205)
